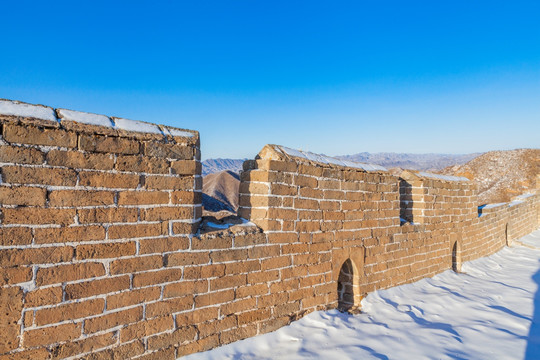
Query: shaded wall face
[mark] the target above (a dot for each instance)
(89, 217)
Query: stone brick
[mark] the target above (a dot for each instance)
(40, 176)
(169, 306)
(185, 288)
(64, 273)
(107, 215)
(135, 231)
(142, 164)
(133, 297)
(15, 236)
(39, 136)
(146, 328)
(108, 180)
(187, 258)
(237, 334)
(38, 216)
(11, 276)
(34, 256)
(43, 296)
(186, 197)
(143, 197)
(168, 151)
(69, 234)
(186, 167)
(120, 352)
(204, 344)
(51, 335)
(88, 344)
(230, 281)
(80, 160)
(217, 326)
(198, 316)
(21, 155)
(22, 195)
(108, 144)
(105, 251)
(112, 320)
(96, 287)
(214, 298)
(163, 245)
(71, 311)
(157, 182)
(11, 301)
(167, 213)
(156, 277)
(70, 198)
(136, 264)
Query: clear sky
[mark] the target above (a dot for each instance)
(335, 77)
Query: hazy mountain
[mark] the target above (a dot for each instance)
(211, 166)
(411, 161)
(500, 175)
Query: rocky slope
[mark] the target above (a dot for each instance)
(500, 175)
(220, 191)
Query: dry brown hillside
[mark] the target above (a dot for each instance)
(220, 191)
(500, 175)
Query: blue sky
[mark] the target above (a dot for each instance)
(330, 77)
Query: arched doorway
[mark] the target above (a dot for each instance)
(347, 288)
(456, 257)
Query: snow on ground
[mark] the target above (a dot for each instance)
(490, 311)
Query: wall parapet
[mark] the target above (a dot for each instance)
(102, 256)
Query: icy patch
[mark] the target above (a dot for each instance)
(138, 126)
(442, 177)
(218, 226)
(491, 311)
(323, 159)
(85, 118)
(8, 107)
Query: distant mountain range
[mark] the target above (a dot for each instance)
(388, 160)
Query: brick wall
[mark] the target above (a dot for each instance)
(101, 257)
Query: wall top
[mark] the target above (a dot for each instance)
(278, 152)
(422, 175)
(47, 116)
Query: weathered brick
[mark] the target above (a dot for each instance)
(96, 287)
(217, 326)
(187, 258)
(10, 276)
(198, 316)
(70, 198)
(43, 296)
(51, 335)
(146, 328)
(167, 213)
(230, 281)
(108, 144)
(136, 231)
(38, 175)
(136, 264)
(169, 151)
(186, 197)
(22, 195)
(107, 215)
(237, 334)
(34, 354)
(71, 311)
(104, 251)
(169, 182)
(108, 180)
(172, 339)
(169, 306)
(112, 320)
(185, 288)
(204, 344)
(142, 164)
(39, 136)
(38, 216)
(11, 301)
(69, 234)
(21, 155)
(186, 167)
(204, 271)
(34, 256)
(143, 197)
(162, 245)
(15, 236)
(214, 298)
(156, 277)
(80, 160)
(88, 344)
(132, 297)
(124, 351)
(63, 273)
